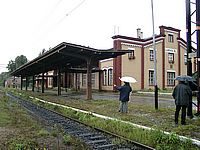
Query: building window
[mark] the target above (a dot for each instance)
(110, 76)
(170, 38)
(84, 80)
(151, 77)
(171, 57)
(170, 78)
(93, 79)
(151, 55)
(185, 59)
(131, 55)
(104, 77)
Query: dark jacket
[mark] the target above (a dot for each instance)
(181, 94)
(124, 92)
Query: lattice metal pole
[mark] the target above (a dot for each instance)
(198, 51)
(189, 50)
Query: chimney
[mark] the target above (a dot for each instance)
(139, 33)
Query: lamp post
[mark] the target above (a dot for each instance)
(155, 61)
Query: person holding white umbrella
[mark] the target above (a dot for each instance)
(125, 91)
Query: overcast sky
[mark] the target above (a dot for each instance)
(28, 26)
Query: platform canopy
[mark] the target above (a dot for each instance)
(66, 56)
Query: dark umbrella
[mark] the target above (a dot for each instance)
(185, 78)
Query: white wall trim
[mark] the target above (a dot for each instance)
(106, 60)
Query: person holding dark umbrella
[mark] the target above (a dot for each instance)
(181, 94)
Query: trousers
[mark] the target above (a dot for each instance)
(123, 107)
(183, 113)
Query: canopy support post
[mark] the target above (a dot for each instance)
(58, 81)
(89, 80)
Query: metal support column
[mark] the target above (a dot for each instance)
(21, 82)
(189, 50)
(76, 81)
(198, 51)
(33, 83)
(26, 83)
(89, 80)
(43, 82)
(59, 81)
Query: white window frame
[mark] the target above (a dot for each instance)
(151, 77)
(170, 38)
(132, 54)
(110, 76)
(170, 57)
(170, 78)
(105, 77)
(185, 59)
(151, 54)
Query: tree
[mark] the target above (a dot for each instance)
(3, 77)
(20, 60)
(43, 51)
(11, 66)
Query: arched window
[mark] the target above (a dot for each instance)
(110, 76)
(104, 77)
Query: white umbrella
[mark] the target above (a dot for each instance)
(128, 79)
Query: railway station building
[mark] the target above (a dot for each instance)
(68, 65)
(171, 51)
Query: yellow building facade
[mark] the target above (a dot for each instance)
(170, 53)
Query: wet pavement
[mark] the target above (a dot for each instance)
(163, 101)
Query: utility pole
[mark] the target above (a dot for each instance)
(155, 61)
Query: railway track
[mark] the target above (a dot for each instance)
(96, 139)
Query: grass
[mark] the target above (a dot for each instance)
(142, 114)
(19, 131)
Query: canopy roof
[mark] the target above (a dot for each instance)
(66, 56)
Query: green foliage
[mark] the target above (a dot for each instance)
(67, 139)
(43, 132)
(19, 61)
(169, 142)
(21, 144)
(11, 66)
(3, 77)
(154, 138)
(119, 141)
